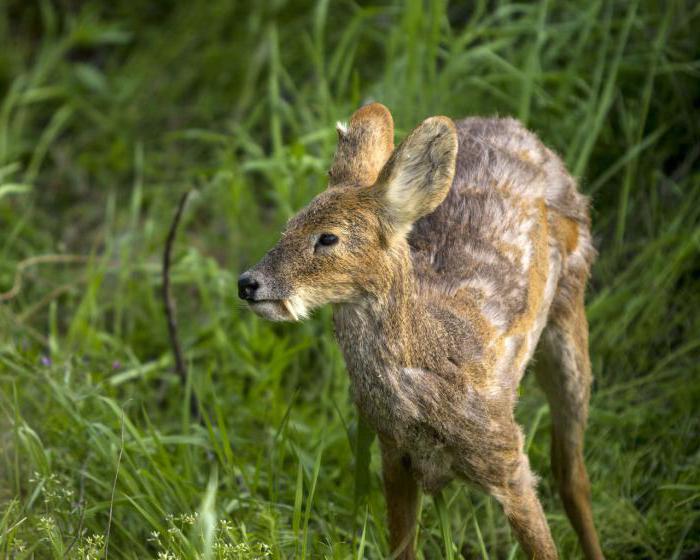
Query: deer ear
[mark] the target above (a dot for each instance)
(418, 176)
(364, 146)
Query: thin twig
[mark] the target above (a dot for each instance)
(33, 333)
(32, 261)
(169, 303)
(62, 289)
(48, 298)
(114, 488)
(167, 294)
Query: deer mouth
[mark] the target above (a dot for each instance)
(274, 309)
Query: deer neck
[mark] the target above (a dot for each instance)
(388, 318)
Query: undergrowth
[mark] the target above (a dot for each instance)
(109, 112)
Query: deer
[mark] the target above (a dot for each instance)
(448, 261)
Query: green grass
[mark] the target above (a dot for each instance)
(108, 113)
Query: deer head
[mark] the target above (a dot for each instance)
(341, 247)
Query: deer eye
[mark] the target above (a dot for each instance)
(327, 239)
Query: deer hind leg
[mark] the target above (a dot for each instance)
(563, 370)
(401, 492)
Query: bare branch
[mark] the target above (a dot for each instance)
(169, 303)
(33, 261)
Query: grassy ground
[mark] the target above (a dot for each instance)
(108, 113)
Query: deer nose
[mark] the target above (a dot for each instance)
(247, 286)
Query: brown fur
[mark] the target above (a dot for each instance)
(455, 252)
(363, 147)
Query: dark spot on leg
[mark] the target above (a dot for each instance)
(406, 461)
